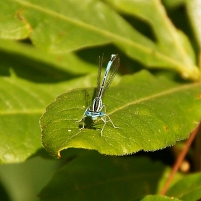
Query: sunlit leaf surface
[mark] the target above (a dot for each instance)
(151, 113)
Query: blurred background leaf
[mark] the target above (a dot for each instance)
(58, 28)
(193, 8)
(188, 188)
(96, 177)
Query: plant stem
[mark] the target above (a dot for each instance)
(179, 160)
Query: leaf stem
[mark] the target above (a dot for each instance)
(179, 160)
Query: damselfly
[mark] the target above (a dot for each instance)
(95, 110)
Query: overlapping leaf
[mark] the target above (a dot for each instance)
(28, 83)
(61, 26)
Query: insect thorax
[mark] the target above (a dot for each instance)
(97, 104)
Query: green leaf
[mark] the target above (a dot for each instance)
(156, 198)
(58, 28)
(151, 113)
(29, 82)
(188, 188)
(60, 65)
(12, 23)
(91, 176)
(194, 7)
(174, 3)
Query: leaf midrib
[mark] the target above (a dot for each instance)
(160, 94)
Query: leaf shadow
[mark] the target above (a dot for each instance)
(87, 121)
(32, 70)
